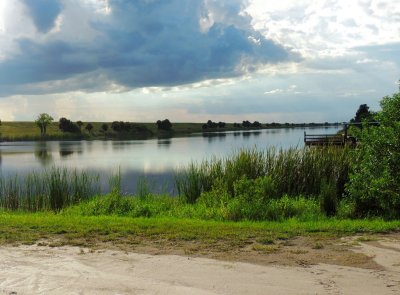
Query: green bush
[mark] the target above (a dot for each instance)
(374, 185)
(289, 207)
(328, 198)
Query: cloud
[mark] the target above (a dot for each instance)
(326, 27)
(43, 13)
(136, 44)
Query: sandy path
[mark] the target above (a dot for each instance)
(70, 270)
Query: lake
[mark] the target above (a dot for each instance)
(154, 159)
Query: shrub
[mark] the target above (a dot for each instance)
(374, 185)
(328, 198)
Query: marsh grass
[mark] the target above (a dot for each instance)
(294, 172)
(248, 185)
(53, 189)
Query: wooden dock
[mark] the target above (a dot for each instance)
(325, 139)
(336, 139)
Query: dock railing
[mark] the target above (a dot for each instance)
(336, 139)
(324, 139)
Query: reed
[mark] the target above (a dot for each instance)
(294, 172)
(53, 189)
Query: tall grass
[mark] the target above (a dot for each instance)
(294, 172)
(53, 189)
(247, 185)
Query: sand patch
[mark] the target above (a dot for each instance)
(73, 270)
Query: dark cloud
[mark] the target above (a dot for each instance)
(144, 43)
(44, 13)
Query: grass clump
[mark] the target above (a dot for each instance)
(53, 189)
(268, 185)
(293, 172)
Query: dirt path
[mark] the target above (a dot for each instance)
(72, 270)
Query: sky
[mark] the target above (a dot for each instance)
(195, 60)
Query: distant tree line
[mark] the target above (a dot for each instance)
(210, 125)
(120, 126)
(66, 125)
(247, 124)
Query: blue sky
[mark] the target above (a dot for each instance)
(224, 60)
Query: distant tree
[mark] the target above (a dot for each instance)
(120, 126)
(116, 126)
(362, 114)
(89, 127)
(211, 124)
(204, 126)
(246, 124)
(104, 127)
(256, 124)
(42, 121)
(237, 125)
(164, 125)
(80, 124)
(66, 125)
(221, 124)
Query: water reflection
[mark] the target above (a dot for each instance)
(161, 183)
(65, 153)
(212, 136)
(122, 145)
(164, 143)
(43, 153)
(70, 147)
(156, 158)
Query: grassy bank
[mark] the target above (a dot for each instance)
(248, 185)
(249, 198)
(89, 230)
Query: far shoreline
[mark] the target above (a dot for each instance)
(27, 131)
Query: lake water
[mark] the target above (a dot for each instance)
(155, 159)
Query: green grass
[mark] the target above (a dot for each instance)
(250, 184)
(256, 177)
(52, 189)
(91, 230)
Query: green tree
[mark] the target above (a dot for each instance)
(89, 127)
(42, 121)
(104, 127)
(375, 180)
(164, 125)
(362, 114)
(80, 124)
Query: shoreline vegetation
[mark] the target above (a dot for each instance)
(247, 196)
(29, 131)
